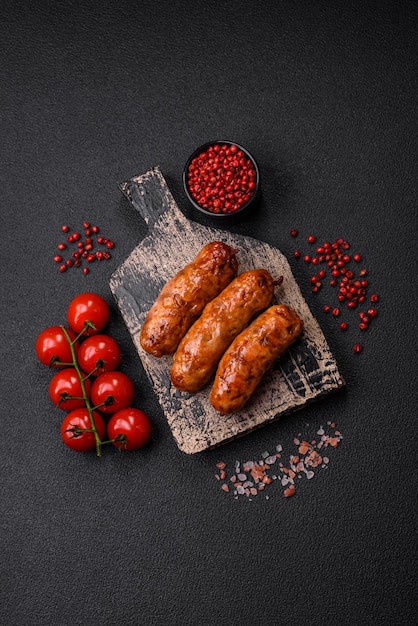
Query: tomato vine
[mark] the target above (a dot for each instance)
(81, 352)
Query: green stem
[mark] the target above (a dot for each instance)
(58, 363)
(83, 388)
(118, 439)
(99, 365)
(100, 405)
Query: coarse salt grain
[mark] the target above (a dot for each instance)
(297, 467)
(290, 491)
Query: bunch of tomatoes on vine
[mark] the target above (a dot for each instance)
(87, 384)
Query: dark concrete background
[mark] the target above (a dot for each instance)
(324, 95)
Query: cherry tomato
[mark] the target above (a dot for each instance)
(131, 427)
(52, 347)
(67, 383)
(73, 426)
(88, 307)
(101, 352)
(115, 389)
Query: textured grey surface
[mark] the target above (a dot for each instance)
(324, 96)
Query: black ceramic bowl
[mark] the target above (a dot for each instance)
(222, 180)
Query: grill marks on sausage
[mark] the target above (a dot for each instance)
(222, 319)
(215, 321)
(183, 298)
(251, 355)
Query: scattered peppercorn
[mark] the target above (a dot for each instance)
(84, 247)
(351, 287)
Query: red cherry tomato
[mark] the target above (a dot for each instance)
(52, 347)
(114, 389)
(88, 307)
(65, 389)
(131, 427)
(100, 353)
(74, 425)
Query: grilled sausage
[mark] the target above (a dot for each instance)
(200, 350)
(251, 355)
(183, 298)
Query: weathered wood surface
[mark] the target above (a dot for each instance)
(307, 372)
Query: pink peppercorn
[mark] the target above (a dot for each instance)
(221, 178)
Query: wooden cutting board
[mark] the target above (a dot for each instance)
(307, 372)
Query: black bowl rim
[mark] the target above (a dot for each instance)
(245, 206)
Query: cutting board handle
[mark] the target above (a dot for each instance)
(149, 195)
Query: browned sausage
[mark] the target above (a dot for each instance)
(183, 298)
(222, 319)
(251, 355)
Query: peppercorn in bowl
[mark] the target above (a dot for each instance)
(222, 180)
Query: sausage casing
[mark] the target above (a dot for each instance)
(183, 298)
(200, 350)
(251, 355)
